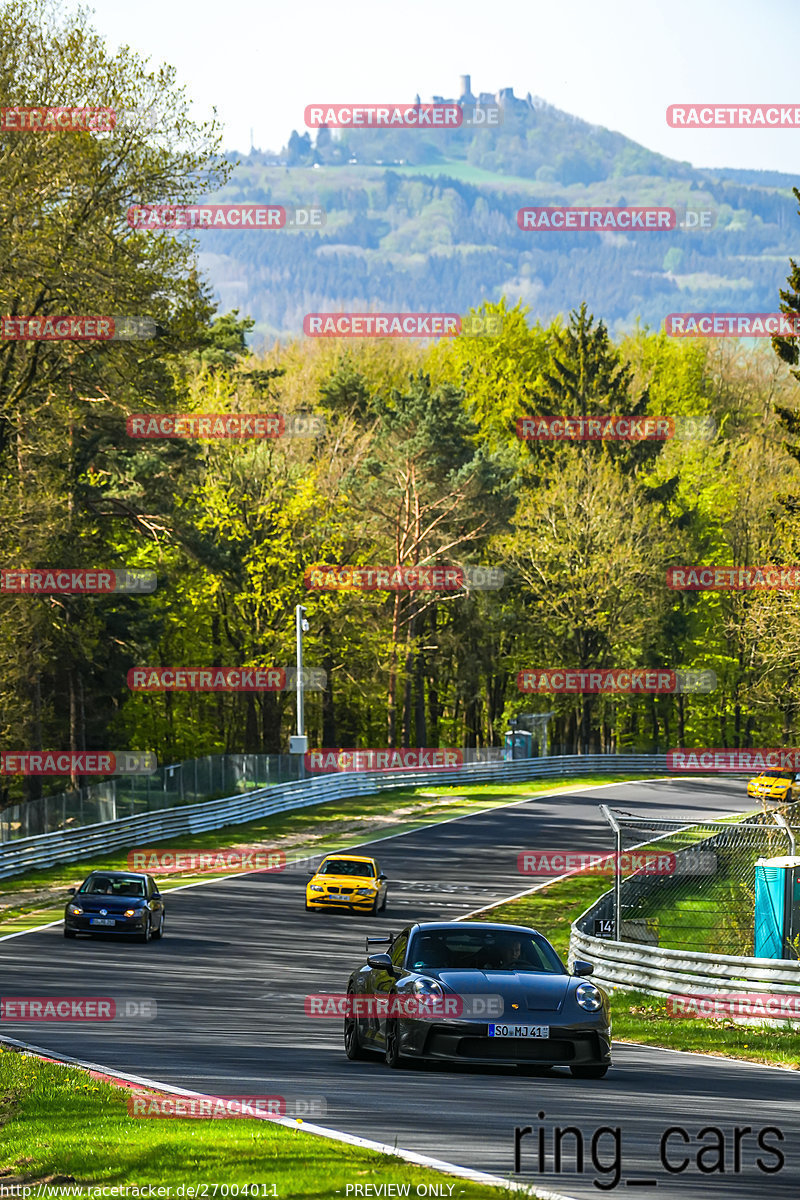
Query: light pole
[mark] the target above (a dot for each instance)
(299, 743)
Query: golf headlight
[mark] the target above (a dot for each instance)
(428, 987)
(589, 997)
(133, 912)
(74, 910)
(316, 887)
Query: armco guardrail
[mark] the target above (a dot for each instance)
(631, 966)
(147, 829)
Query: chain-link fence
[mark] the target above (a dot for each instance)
(688, 885)
(190, 782)
(171, 786)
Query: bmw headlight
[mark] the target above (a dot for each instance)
(74, 910)
(316, 887)
(367, 891)
(428, 987)
(589, 997)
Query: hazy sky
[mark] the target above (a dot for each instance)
(615, 63)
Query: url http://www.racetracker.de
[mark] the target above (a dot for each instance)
(181, 1191)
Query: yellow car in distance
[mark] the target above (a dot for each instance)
(347, 881)
(777, 786)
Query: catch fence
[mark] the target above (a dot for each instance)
(694, 888)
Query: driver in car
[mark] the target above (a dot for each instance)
(514, 957)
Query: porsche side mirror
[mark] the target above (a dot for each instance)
(580, 967)
(381, 962)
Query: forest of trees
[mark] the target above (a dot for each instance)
(401, 242)
(419, 462)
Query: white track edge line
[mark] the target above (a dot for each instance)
(411, 1156)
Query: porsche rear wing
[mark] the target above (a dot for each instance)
(384, 941)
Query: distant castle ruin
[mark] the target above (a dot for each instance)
(503, 98)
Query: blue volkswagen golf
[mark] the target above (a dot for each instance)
(115, 902)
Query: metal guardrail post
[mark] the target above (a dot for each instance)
(781, 820)
(604, 809)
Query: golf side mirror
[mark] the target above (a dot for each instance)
(70, 891)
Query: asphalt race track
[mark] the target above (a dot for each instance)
(240, 954)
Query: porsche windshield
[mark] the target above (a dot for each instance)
(343, 866)
(482, 950)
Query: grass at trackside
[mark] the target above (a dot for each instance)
(318, 829)
(636, 1016)
(60, 1126)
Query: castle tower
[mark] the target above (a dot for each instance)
(466, 88)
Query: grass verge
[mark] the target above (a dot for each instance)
(63, 1129)
(637, 1016)
(33, 899)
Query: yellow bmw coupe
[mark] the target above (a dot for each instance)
(347, 881)
(773, 785)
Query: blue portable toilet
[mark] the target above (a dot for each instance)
(518, 744)
(777, 913)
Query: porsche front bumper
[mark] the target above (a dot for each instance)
(469, 1042)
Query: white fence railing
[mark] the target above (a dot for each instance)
(147, 829)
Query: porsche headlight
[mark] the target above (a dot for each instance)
(428, 987)
(316, 887)
(589, 997)
(74, 910)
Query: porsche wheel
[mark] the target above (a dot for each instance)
(391, 1055)
(593, 1072)
(352, 1045)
